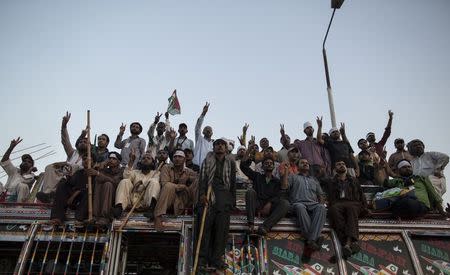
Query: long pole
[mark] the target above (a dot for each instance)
(202, 227)
(89, 165)
(327, 75)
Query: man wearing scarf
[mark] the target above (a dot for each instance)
(219, 171)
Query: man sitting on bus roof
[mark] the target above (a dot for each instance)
(20, 179)
(425, 196)
(266, 194)
(178, 188)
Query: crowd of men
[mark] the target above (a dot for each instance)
(312, 178)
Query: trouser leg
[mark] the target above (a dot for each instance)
(318, 217)
(123, 193)
(337, 220)
(277, 212)
(408, 208)
(63, 192)
(81, 212)
(251, 203)
(352, 211)
(103, 199)
(303, 219)
(207, 232)
(221, 229)
(166, 198)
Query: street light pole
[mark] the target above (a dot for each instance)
(335, 4)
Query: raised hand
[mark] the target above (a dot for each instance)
(65, 119)
(342, 129)
(205, 109)
(157, 117)
(251, 141)
(14, 142)
(244, 128)
(390, 113)
(172, 134)
(241, 140)
(84, 131)
(319, 121)
(122, 129)
(166, 115)
(282, 132)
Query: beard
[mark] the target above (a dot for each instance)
(24, 167)
(150, 166)
(135, 131)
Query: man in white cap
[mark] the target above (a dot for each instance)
(178, 188)
(316, 154)
(425, 199)
(428, 164)
(106, 181)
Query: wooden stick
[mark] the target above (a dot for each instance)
(89, 165)
(137, 202)
(200, 233)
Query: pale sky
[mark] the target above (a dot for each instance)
(258, 62)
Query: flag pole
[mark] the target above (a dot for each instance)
(89, 164)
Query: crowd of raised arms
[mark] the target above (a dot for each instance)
(309, 179)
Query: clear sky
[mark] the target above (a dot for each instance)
(258, 62)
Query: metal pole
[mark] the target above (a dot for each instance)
(55, 263)
(35, 250)
(93, 252)
(105, 253)
(69, 253)
(81, 251)
(327, 75)
(117, 253)
(46, 251)
(20, 267)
